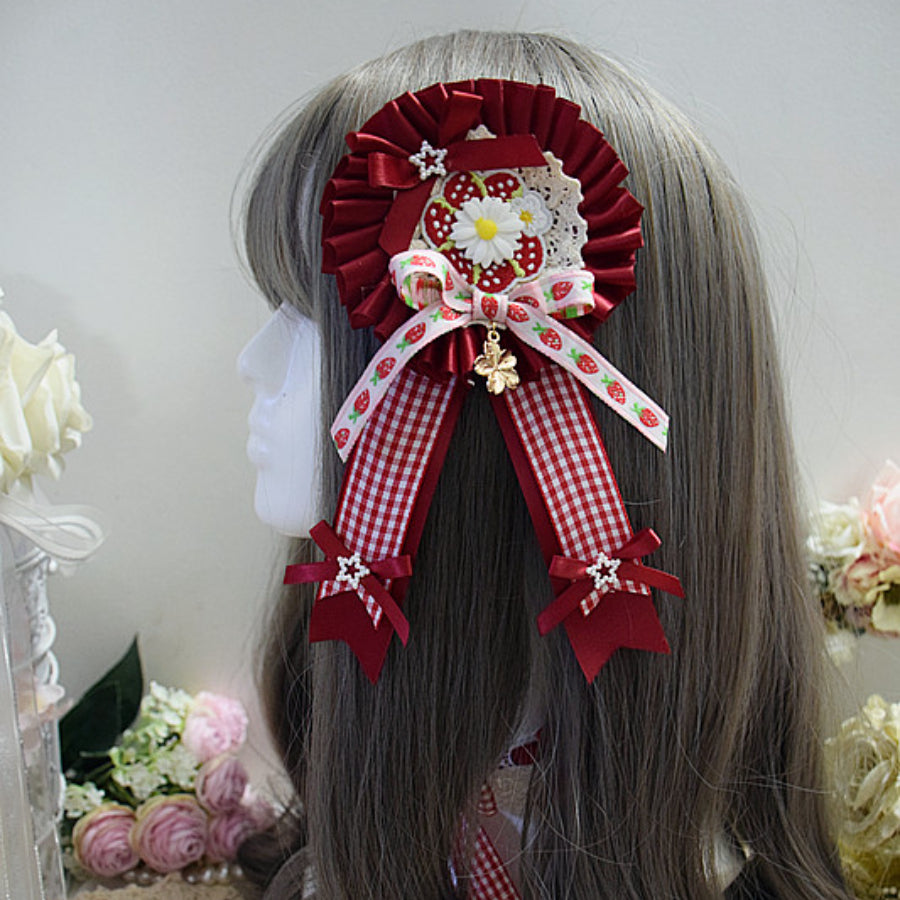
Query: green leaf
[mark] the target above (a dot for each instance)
(107, 708)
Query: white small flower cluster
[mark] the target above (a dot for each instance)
(141, 778)
(151, 754)
(168, 706)
(178, 765)
(82, 798)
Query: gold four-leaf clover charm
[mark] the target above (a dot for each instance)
(498, 366)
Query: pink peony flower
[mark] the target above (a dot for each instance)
(101, 841)
(227, 831)
(170, 832)
(220, 783)
(214, 725)
(883, 511)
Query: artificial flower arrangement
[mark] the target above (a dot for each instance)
(855, 559)
(864, 759)
(170, 795)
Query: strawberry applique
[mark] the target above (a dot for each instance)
(442, 213)
(614, 389)
(416, 333)
(646, 415)
(549, 336)
(360, 405)
(445, 313)
(516, 313)
(559, 292)
(584, 363)
(490, 307)
(383, 369)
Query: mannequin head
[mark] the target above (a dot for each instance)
(281, 364)
(640, 769)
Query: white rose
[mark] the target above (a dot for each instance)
(865, 764)
(886, 597)
(838, 532)
(41, 416)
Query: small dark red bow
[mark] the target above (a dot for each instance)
(618, 617)
(391, 165)
(353, 613)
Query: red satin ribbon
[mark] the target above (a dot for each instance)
(389, 164)
(328, 541)
(510, 152)
(641, 544)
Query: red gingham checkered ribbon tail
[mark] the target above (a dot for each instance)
(385, 495)
(328, 541)
(583, 584)
(577, 510)
(490, 878)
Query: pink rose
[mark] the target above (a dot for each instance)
(220, 784)
(170, 832)
(883, 511)
(215, 725)
(227, 831)
(101, 840)
(261, 811)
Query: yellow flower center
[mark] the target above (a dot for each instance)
(526, 216)
(486, 228)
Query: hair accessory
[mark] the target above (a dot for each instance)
(461, 210)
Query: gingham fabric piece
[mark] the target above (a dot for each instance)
(490, 878)
(386, 472)
(487, 802)
(556, 425)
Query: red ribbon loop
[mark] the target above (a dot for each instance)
(512, 152)
(334, 548)
(461, 112)
(390, 166)
(583, 583)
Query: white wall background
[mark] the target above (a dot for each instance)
(125, 126)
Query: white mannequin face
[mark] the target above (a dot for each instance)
(281, 364)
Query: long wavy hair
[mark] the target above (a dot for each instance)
(641, 772)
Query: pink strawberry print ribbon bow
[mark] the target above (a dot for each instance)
(526, 311)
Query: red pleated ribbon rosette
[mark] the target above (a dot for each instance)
(373, 202)
(426, 154)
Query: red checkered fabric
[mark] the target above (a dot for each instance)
(385, 474)
(556, 426)
(487, 802)
(490, 878)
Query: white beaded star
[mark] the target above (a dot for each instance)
(604, 573)
(352, 571)
(429, 161)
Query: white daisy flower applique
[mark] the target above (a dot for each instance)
(487, 230)
(532, 212)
